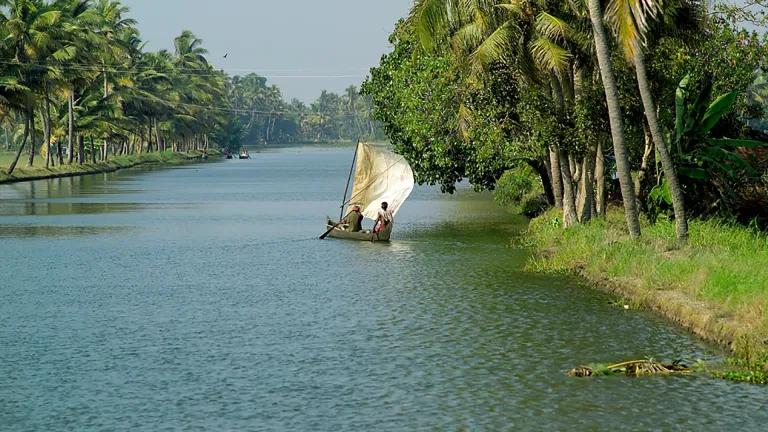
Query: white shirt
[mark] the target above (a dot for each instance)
(385, 215)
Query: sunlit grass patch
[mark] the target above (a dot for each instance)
(716, 284)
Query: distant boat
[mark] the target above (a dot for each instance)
(244, 153)
(380, 175)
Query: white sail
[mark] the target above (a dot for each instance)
(380, 175)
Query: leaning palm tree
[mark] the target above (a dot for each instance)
(630, 21)
(602, 49)
(14, 98)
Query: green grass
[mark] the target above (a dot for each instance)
(716, 285)
(6, 158)
(23, 172)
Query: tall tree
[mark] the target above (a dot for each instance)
(602, 49)
(630, 21)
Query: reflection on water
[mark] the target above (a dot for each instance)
(30, 231)
(199, 298)
(48, 208)
(63, 196)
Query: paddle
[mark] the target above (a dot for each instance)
(322, 237)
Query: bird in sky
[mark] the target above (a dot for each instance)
(225, 55)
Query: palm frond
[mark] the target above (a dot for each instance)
(514, 7)
(496, 46)
(469, 37)
(630, 20)
(552, 27)
(431, 19)
(550, 55)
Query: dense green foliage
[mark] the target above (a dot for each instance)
(449, 132)
(475, 89)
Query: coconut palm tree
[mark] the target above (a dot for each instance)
(630, 21)
(118, 37)
(602, 49)
(29, 28)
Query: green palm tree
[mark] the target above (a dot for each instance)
(630, 21)
(29, 34)
(80, 19)
(602, 50)
(118, 37)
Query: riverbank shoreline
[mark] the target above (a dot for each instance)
(716, 286)
(117, 163)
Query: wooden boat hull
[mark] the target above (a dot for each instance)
(366, 235)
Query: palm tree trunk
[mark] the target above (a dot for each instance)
(71, 131)
(80, 149)
(160, 142)
(59, 158)
(575, 168)
(614, 114)
(149, 136)
(586, 198)
(31, 159)
(105, 150)
(557, 178)
(544, 173)
(21, 147)
(93, 151)
(563, 174)
(46, 117)
(569, 203)
(678, 200)
(600, 179)
(641, 180)
(46, 138)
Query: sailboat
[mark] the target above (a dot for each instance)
(379, 176)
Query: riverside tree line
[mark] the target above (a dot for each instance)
(654, 104)
(77, 86)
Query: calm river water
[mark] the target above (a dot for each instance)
(198, 298)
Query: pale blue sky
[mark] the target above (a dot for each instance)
(280, 37)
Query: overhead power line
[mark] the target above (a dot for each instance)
(182, 71)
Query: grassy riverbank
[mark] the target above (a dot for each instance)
(24, 173)
(716, 285)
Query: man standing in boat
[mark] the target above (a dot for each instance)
(383, 219)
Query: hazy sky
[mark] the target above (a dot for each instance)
(341, 38)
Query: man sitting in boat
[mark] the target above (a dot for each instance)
(383, 219)
(354, 220)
